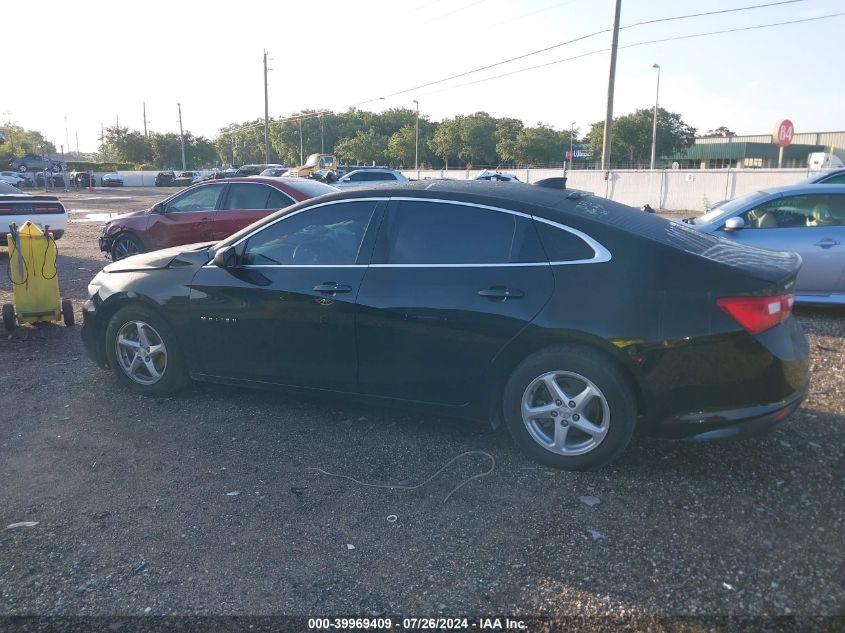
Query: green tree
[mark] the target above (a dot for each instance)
(478, 139)
(401, 147)
(446, 140)
(719, 132)
(364, 148)
(541, 145)
(507, 131)
(20, 141)
(632, 136)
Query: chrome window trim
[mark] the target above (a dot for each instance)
(601, 253)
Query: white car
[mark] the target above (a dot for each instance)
(374, 176)
(497, 176)
(17, 207)
(14, 178)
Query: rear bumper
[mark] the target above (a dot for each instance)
(731, 423)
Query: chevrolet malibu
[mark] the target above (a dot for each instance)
(210, 210)
(571, 318)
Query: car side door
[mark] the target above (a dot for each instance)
(285, 313)
(244, 203)
(185, 218)
(813, 225)
(450, 284)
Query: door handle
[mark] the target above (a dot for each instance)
(827, 243)
(204, 220)
(499, 293)
(331, 287)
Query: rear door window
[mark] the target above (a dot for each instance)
(427, 232)
(250, 196)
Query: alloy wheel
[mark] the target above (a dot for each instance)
(140, 352)
(565, 413)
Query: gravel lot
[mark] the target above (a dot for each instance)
(137, 512)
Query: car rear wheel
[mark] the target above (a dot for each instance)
(570, 407)
(125, 245)
(144, 353)
(22, 169)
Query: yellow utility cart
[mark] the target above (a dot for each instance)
(33, 261)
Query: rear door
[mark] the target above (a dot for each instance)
(244, 203)
(450, 284)
(185, 218)
(812, 225)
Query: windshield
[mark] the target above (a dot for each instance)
(729, 207)
(312, 160)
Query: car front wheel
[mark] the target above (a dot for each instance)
(144, 353)
(570, 407)
(126, 245)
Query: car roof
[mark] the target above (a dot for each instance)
(805, 188)
(382, 170)
(311, 188)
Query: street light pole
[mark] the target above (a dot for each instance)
(654, 122)
(571, 136)
(417, 141)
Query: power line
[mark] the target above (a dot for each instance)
(706, 13)
(579, 39)
(501, 63)
(655, 41)
(446, 15)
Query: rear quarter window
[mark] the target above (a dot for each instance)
(561, 245)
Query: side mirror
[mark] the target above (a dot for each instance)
(226, 258)
(734, 224)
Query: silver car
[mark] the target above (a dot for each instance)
(806, 219)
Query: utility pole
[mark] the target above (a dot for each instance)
(266, 116)
(77, 144)
(67, 139)
(608, 119)
(301, 161)
(322, 139)
(654, 121)
(417, 141)
(144, 104)
(181, 137)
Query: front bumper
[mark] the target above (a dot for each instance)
(105, 242)
(93, 333)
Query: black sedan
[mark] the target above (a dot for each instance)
(571, 318)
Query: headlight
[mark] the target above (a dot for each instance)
(95, 285)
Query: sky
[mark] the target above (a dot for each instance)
(99, 64)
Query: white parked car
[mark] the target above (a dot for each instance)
(497, 176)
(17, 207)
(14, 178)
(374, 176)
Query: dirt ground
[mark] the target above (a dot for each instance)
(210, 502)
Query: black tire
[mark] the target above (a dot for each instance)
(22, 169)
(615, 392)
(9, 320)
(125, 245)
(67, 312)
(173, 371)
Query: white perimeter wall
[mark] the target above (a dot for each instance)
(671, 189)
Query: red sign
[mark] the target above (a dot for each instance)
(568, 155)
(784, 133)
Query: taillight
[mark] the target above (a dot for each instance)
(757, 314)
